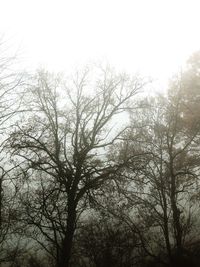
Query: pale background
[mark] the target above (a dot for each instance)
(154, 37)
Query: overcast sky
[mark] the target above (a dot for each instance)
(154, 37)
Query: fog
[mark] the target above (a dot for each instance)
(99, 133)
(152, 37)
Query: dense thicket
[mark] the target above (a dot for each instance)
(94, 173)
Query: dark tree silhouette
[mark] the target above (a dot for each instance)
(63, 148)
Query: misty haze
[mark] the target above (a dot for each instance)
(99, 133)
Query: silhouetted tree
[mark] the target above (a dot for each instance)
(63, 147)
(163, 191)
(11, 94)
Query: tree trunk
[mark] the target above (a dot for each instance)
(175, 209)
(165, 224)
(176, 222)
(66, 249)
(166, 235)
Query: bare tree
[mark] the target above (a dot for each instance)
(163, 191)
(10, 100)
(63, 148)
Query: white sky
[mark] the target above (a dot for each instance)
(154, 37)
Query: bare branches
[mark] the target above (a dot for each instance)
(63, 145)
